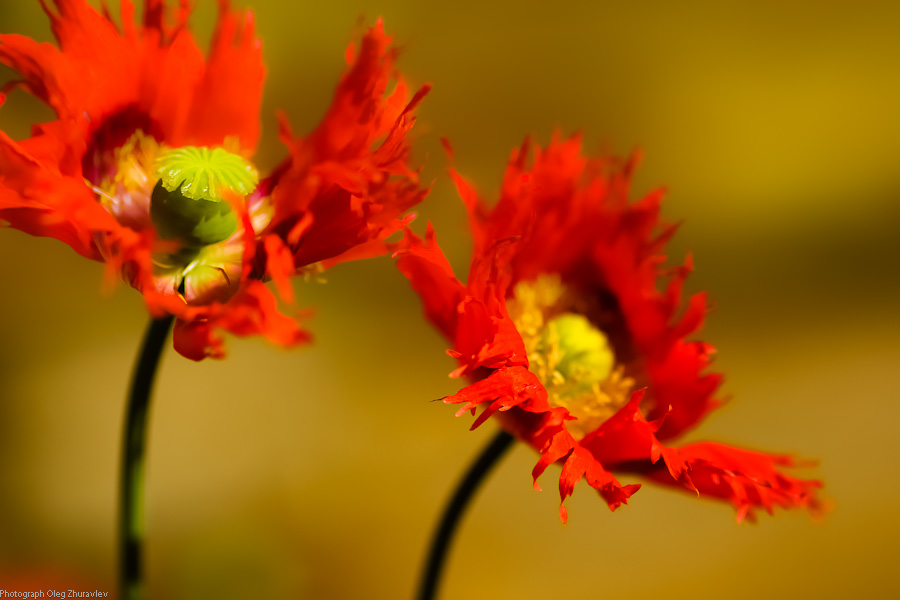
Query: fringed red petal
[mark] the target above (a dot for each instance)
(253, 311)
(629, 442)
(40, 201)
(280, 266)
(582, 464)
(431, 276)
(230, 89)
(352, 173)
(510, 386)
(746, 478)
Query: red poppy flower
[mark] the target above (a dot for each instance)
(147, 165)
(573, 344)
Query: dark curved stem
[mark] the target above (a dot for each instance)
(134, 445)
(440, 544)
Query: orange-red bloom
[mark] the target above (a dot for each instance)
(129, 98)
(574, 341)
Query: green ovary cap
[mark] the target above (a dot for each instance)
(585, 355)
(204, 173)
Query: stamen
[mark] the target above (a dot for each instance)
(134, 159)
(126, 192)
(314, 272)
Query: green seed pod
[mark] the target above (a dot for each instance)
(196, 223)
(188, 201)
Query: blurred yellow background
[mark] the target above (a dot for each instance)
(320, 472)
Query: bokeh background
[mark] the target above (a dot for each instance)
(319, 472)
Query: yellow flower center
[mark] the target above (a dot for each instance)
(569, 355)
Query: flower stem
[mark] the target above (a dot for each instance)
(440, 544)
(134, 444)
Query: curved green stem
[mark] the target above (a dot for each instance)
(440, 544)
(134, 445)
